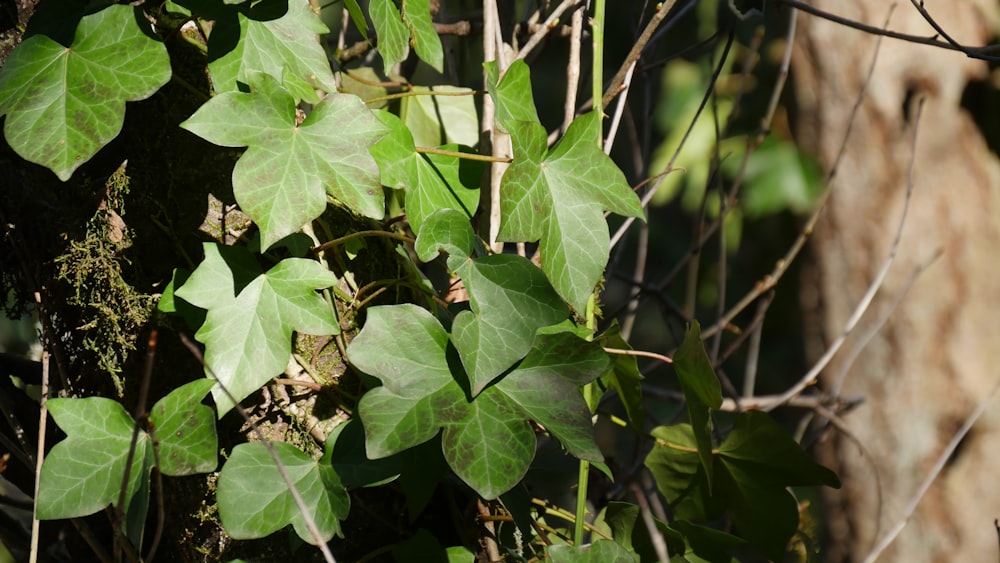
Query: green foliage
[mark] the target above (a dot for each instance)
(471, 389)
(254, 500)
(283, 178)
(64, 104)
(247, 334)
(487, 441)
(85, 472)
(558, 196)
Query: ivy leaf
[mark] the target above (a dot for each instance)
(393, 35)
(512, 96)
(759, 462)
(438, 115)
(64, 104)
(624, 377)
(185, 429)
(425, 40)
(84, 473)
(511, 299)
(248, 337)
(446, 230)
(487, 441)
(288, 49)
(631, 533)
(358, 17)
(559, 197)
(397, 31)
(702, 391)
(254, 500)
(679, 474)
(283, 178)
(601, 551)
(432, 182)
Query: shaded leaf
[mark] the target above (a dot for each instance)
(282, 180)
(630, 532)
(185, 430)
(254, 500)
(701, 391)
(64, 104)
(247, 337)
(351, 462)
(511, 299)
(601, 551)
(84, 473)
(432, 182)
(447, 118)
(487, 441)
(680, 475)
(623, 377)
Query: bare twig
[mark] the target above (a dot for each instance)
(548, 26)
(981, 53)
(781, 266)
(810, 377)
(659, 544)
(647, 33)
(572, 69)
(43, 415)
(303, 509)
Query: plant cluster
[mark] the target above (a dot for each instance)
(466, 364)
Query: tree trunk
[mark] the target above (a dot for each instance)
(936, 358)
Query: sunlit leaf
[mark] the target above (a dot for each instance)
(288, 169)
(64, 104)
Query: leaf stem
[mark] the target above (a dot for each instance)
(641, 354)
(408, 93)
(360, 234)
(465, 155)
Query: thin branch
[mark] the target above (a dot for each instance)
(942, 460)
(647, 33)
(781, 266)
(549, 25)
(360, 234)
(463, 155)
(43, 415)
(572, 69)
(981, 53)
(810, 378)
(640, 354)
(299, 502)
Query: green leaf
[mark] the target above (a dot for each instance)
(358, 17)
(283, 178)
(185, 430)
(432, 182)
(446, 230)
(393, 35)
(64, 104)
(511, 96)
(425, 41)
(624, 377)
(254, 500)
(629, 531)
(511, 299)
(487, 441)
(758, 441)
(438, 115)
(288, 49)
(248, 337)
(351, 462)
(708, 544)
(601, 551)
(679, 474)
(559, 197)
(767, 516)
(84, 473)
(701, 391)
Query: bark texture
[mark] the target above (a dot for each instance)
(939, 353)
